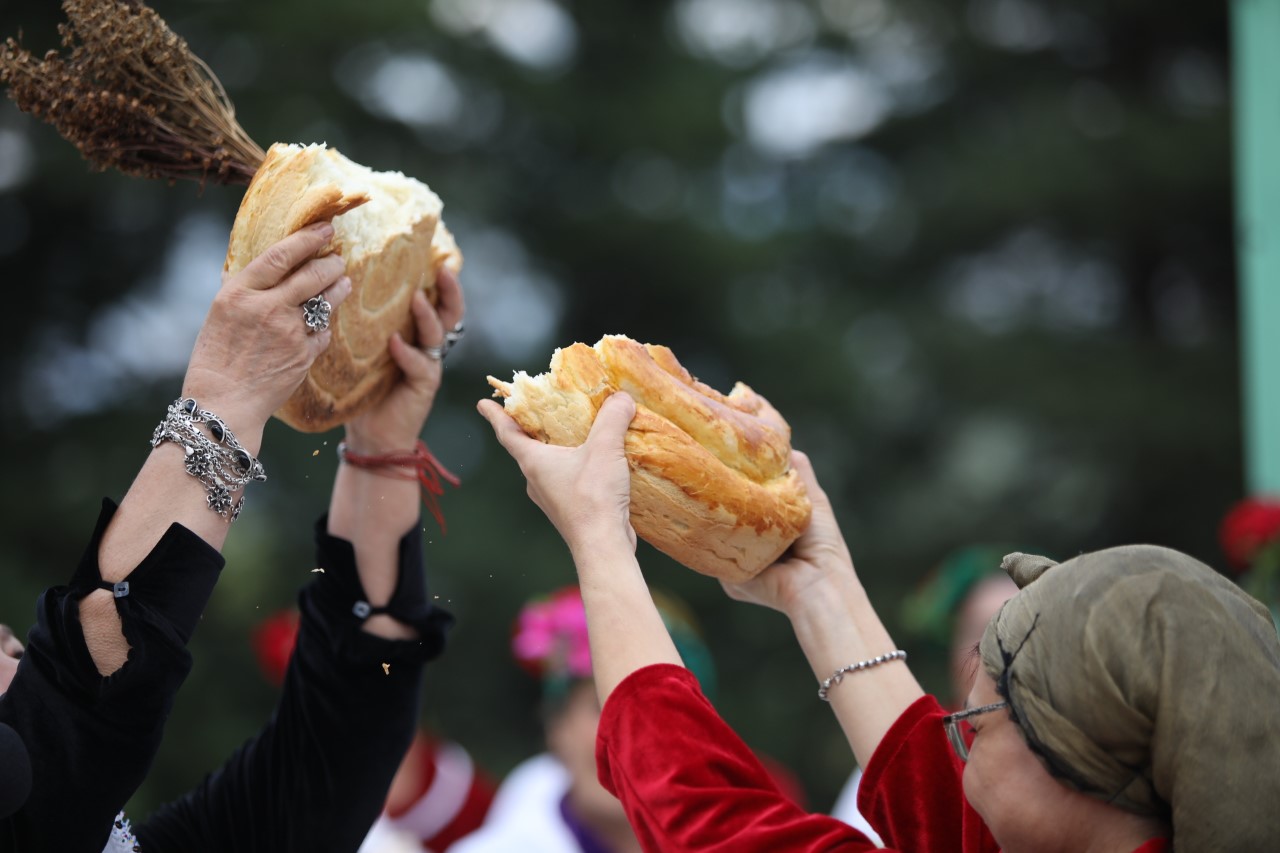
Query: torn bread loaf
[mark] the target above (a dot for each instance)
(711, 478)
(388, 229)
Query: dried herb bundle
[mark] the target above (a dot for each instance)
(130, 95)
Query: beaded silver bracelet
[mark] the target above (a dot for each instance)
(220, 462)
(838, 676)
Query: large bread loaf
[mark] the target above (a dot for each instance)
(387, 228)
(711, 478)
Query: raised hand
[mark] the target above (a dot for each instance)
(396, 422)
(819, 556)
(585, 491)
(255, 347)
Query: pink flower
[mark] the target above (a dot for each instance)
(535, 635)
(550, 636)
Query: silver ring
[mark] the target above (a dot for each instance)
(451, 337)
(315, 313)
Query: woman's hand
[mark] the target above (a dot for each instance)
(254, 348)
(817, 559)
(585, 491)
(395, 424)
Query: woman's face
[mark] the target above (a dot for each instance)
(1025, 808)
(977, 609)
(10, 652)
(571, 737)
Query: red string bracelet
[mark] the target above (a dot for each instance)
(427, 470)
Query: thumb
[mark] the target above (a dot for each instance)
(613, 419)
(803, 467)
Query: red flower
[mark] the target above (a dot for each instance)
(1248, 528)
(273, 642)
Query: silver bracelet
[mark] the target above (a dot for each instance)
(839, 674)
(220, 462)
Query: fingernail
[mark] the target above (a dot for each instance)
(344, 283)
(323, 228)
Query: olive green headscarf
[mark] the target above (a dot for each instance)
(1144, 678)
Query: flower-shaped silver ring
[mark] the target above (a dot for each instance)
(315, 313)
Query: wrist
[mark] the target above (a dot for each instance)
(416, 467)
(591, 546)
(829, 608)
(377, 442)
(366, 445)
(245, 422)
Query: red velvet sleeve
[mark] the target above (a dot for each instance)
(689, 783)
(911, 791)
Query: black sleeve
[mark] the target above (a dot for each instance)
(316, 777)
(91, 740)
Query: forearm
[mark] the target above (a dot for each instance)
(164, 493)
(840, 627)
(373, 512)
(95, 737)
(624, 627)
(161, 495)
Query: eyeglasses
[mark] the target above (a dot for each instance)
(951, 722)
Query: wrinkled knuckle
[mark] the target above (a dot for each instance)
(276, 259)
(328, 270)
(319, 276)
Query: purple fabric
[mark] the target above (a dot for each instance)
(588, 842)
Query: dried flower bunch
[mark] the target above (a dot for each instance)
(130, 95)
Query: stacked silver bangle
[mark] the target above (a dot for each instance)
(219, 462)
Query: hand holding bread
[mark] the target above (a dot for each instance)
(585, 490)
(711, 479)
(813, 567)
(394, 422)
(253, 349)
(388, 228)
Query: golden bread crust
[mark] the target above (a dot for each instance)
(389, 254)
(711, 478)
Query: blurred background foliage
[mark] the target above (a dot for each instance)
(979, 253)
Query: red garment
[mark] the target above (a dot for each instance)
(689, 783)
(911, 792)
